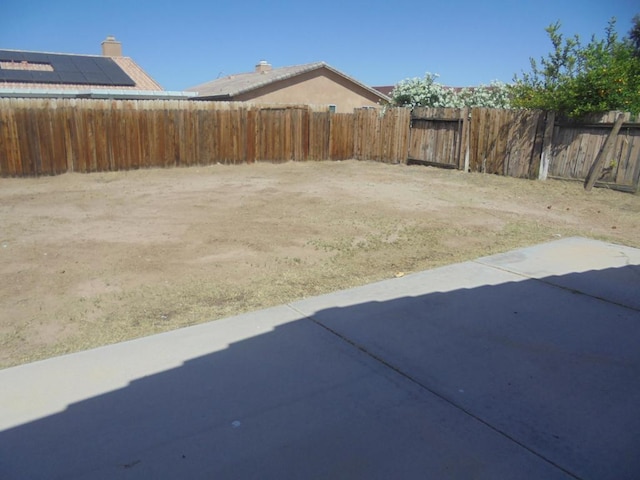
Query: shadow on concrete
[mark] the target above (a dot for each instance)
(517, 380)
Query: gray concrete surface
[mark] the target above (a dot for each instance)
(520, 365)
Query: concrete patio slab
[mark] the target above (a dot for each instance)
(507, 367)
(554, 369)
(557, 262)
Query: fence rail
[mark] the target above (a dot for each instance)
(53, 136)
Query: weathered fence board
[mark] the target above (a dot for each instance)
(341, 136)
(319, 129)
(381, 136)
(506, 142)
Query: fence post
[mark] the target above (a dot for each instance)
(596, 168)
(547, 140)
(467, 135)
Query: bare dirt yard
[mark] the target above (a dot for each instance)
(91, 259)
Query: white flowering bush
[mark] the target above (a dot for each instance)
(423, 92)
(426, 92)
(494, 95)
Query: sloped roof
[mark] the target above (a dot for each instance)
(385, 89)
(140, 80)
(233, 85)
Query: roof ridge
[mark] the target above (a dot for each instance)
(273, 69)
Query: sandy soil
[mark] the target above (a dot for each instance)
(93, 259)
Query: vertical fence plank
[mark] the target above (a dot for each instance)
(5, 142)
(538, 143)
(546, 145)
(9, 150)
(342, 136)
(100, 141)
(319, 130)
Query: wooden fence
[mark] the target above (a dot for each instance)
(574, 147)
(53, 136)
(524, 143)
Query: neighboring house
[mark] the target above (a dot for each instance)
(385, 90)
(58, 75)
(310, 84)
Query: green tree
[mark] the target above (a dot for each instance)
(577, 79)
(634, 35)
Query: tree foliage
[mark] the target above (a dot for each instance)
(634, 35)
(426, 92)
(577, 79)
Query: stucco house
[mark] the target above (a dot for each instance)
(311, 84)
(28, 74)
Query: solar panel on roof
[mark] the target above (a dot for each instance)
(67, 69)
(36, 57)
(93, 77)
(87, 65)
(38, 76)
(65, 66)
(114, 72)
(15, 76)
(12, 56)
(74, 77)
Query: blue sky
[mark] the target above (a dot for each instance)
(184, 43)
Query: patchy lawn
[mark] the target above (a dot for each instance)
(93, 259)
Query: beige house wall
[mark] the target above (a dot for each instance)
(318, 87)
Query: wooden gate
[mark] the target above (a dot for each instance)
(438, 137)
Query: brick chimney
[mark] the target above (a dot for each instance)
(111, 47)
(263, 66)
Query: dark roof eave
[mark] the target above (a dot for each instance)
(14, 92)
(214, 97)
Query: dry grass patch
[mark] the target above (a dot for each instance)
(94, 259)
